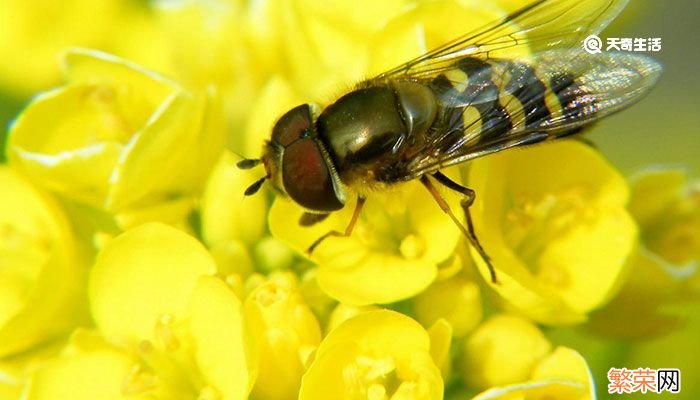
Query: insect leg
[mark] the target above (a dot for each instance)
(348, 229)
(469, 196)
(466, 203)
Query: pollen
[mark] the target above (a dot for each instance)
(163, 362)
(533, 222)
(412, 247)
(236, 284)
(271, 294)
(8, 234)
(376, 392)
(376, 377)
(375, 368)
(109, 123)
(137, 381)
(102, 94)
(36, 237)
(554, 276)
(209, 393)
(164, 332)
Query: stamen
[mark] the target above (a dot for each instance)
(164, 332)
(375, 368)
(144, 347)
(412, 247)
(138, 381)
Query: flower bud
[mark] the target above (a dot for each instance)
(287, 333)
(502, 350)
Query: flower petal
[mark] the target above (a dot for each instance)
(502, 350)
(97, 374)
(169, 156)
(224, 352)
(50, 141)
(141, 275)
(222, 222)
(457, 300)
(42, 268)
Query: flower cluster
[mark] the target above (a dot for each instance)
(132, 266)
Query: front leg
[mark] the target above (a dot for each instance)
(348, 229)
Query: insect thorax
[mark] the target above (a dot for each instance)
(367, 129)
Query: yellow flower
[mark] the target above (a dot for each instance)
(287, 333)
(664, 271)
(375, 355)
(343, 312)
(510, 358)
(456, 299)
(226, 214)
(120, 139)
(88, 368)
(320, 303)
(207, 44)
(393, 254)
(166, 327)
(441, 333)
(667, 208)
(232, 223)
(562, 375)
(42, 269)
(15, 370)
(502, 350)
(553, 220)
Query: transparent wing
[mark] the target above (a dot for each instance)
(542, 25)
(583, 86)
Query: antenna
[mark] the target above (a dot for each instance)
(248, 163)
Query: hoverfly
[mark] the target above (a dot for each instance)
(455, 103)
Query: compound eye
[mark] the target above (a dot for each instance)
(293, 125)
(307, 178)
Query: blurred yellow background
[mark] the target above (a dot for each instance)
(663, 129)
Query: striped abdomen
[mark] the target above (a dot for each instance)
(484, 101)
